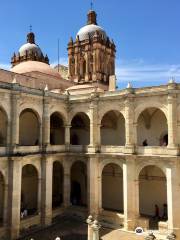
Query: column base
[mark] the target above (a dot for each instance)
(86, 77)
(129, 149)
(47, 221)
(94, 149)
(13, 233)
(67, 147)
(173, 150)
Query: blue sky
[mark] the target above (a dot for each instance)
(146, 33)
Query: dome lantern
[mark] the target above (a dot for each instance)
(31, 38)
(92, 17)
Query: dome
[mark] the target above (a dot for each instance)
(29, 51)
(34, 66)
(90, 30)
(30, 47)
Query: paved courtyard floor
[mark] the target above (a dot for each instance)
(74, 229)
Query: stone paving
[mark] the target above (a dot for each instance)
(73, 229)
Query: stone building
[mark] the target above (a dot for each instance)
(78, 145)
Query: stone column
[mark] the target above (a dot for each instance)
(39, 194)
(40, 133)
(95, 230)
(131, 195)
(172, 121)
(5, 213)
(15, 176)
(14, 120)
(94, 127)
(67, 185)
(89, 221)
(8, 136)
(129, 118)
(46, 190)
(46, 124)
(93, 186)
(67, 136)
(173, 196)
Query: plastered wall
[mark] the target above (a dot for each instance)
(112, 187)
(152, 190)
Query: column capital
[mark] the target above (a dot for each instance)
(172, 98)
(68, 126)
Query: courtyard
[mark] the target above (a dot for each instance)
(71, 228)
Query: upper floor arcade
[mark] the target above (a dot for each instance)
(131, 121)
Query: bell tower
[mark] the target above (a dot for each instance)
(92, 55)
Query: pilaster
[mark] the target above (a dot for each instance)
(15, 120)
(15, 175)
(46, 124)
(93, 186)
(67, 185)
(172, 121)
(173, 196)
(67, 136)
(94, 126)
(131, 195)
(129, 128)
(46, 191)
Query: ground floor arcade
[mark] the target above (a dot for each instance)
(127, 191)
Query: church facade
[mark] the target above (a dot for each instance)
(78, 145)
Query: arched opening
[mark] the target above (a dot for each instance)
(1, 199)
(153, 195)
(3, 128)
(29, 191)
(80, 129)
(79, 184)
(57, 189)
(113, 129)
(112, 188)
(28, 128)
(57, 132)
(152, 128)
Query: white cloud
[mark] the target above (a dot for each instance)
(5, 66)
(139, 71)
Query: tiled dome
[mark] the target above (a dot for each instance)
(90, 30)
(30, 48)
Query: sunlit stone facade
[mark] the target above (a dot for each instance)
(80, 146)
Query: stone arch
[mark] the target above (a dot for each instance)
(57, 181)
(153, 194)
(151, 104)
(2, 192)
(3, 127)
(29, 127)
(110, 161)
(113, 128)
(80, 129)
(107, 108)
(79, 183)
(152, 127)
(57, 129)
(112, 197)
(29, 191)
